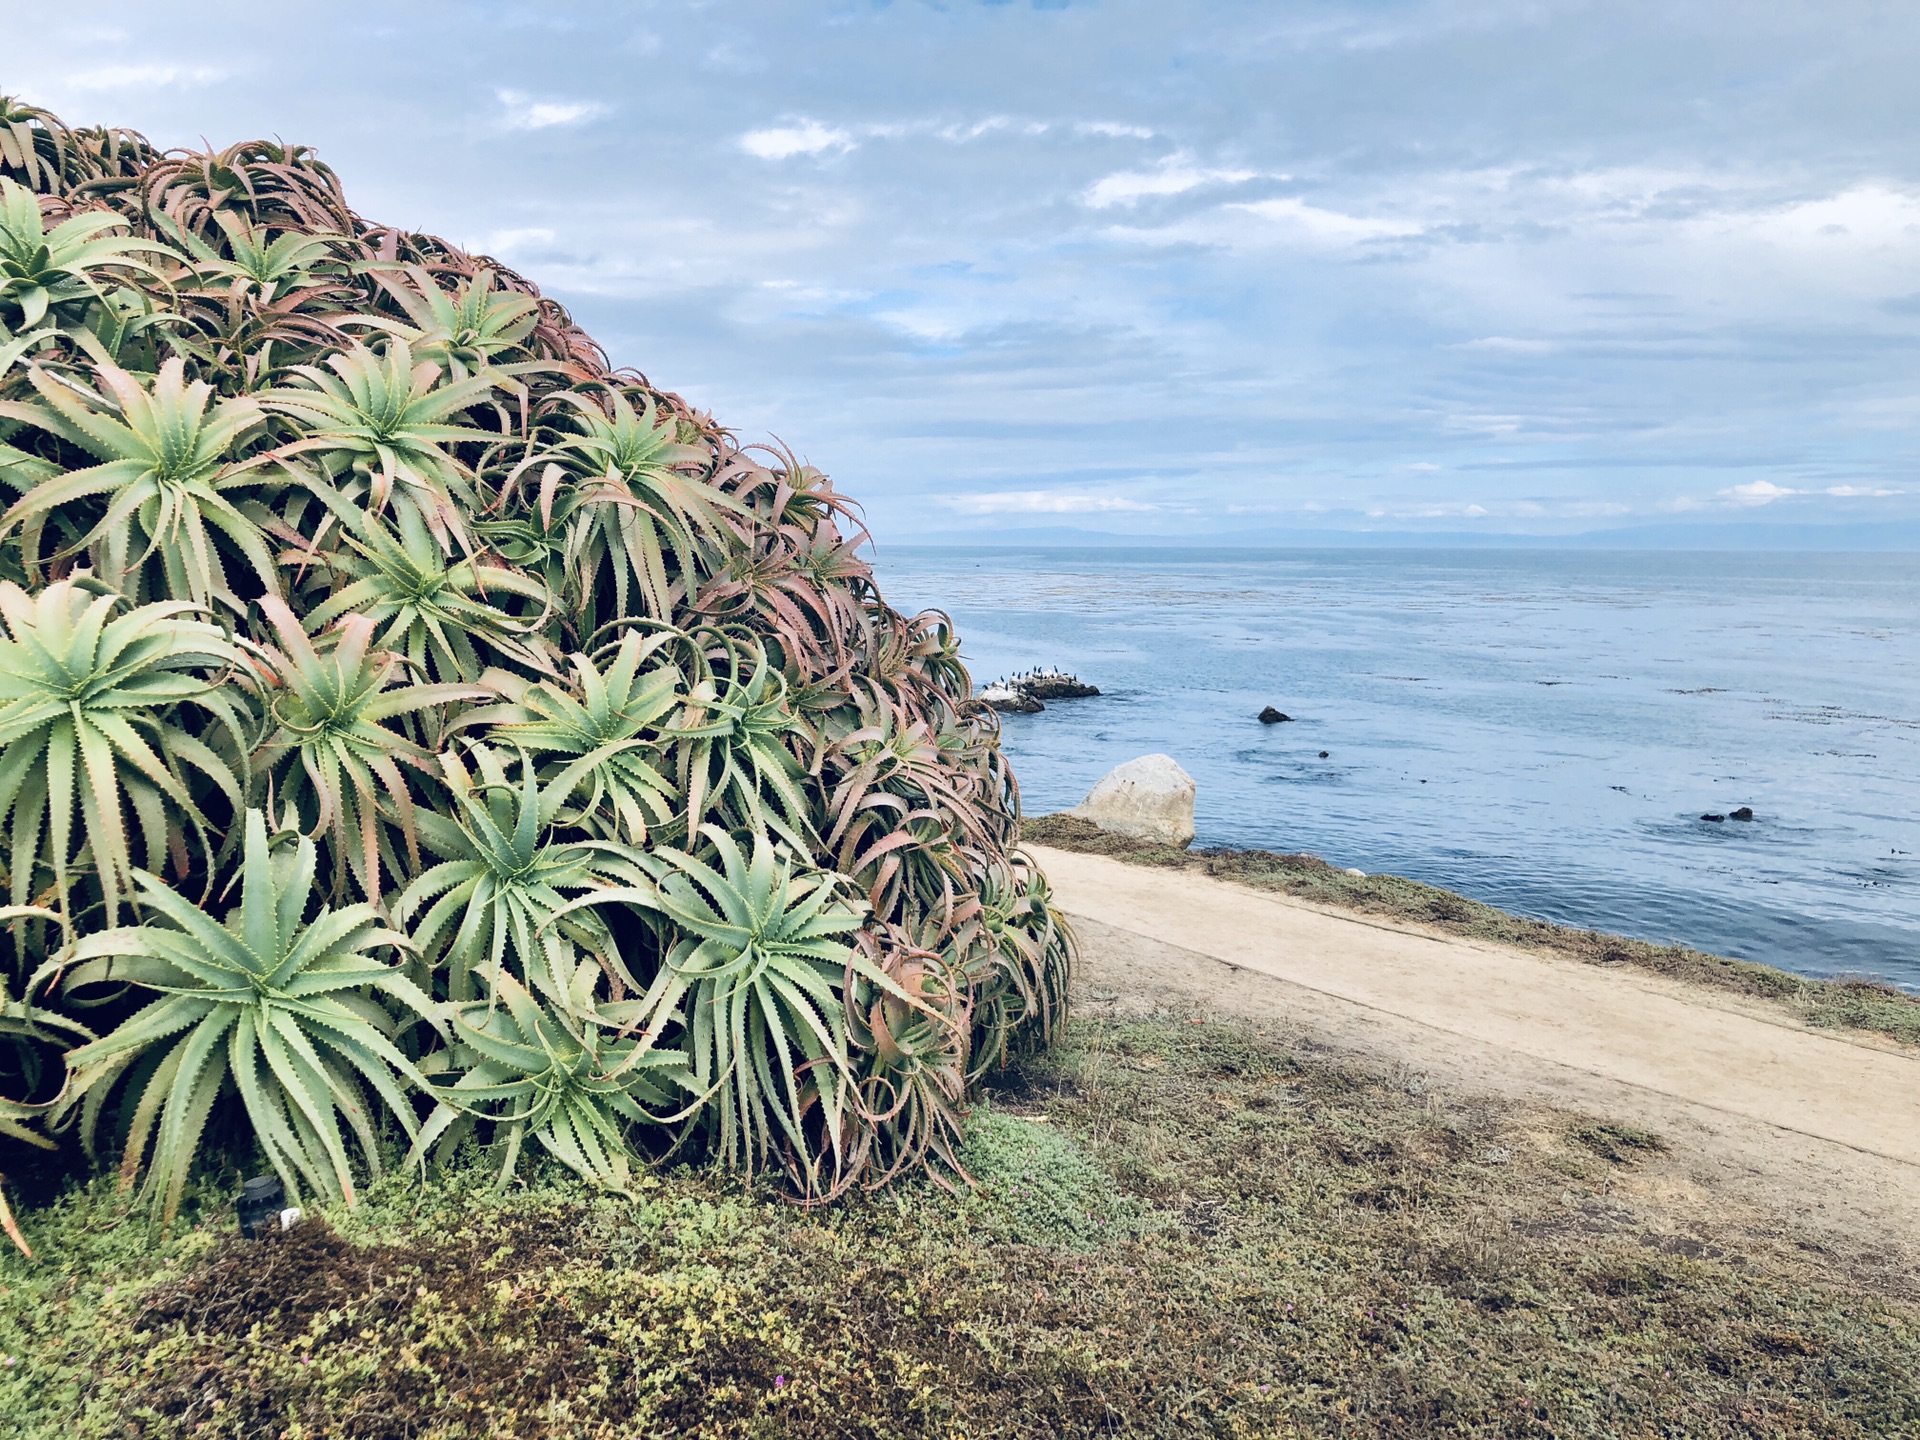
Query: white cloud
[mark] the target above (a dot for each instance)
(1318, 224)
(142, 77)
(1450, 510)
(959, 134)
(1175, 175)
(1112, 130)
(526, 113)
(1758, 492)
(1765, 492)
(783, 142)
(532, 239)
(1259, 225)
(1042, 502)
(1864, 214)
(1495, 426)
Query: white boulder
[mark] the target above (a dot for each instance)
(1148, 799)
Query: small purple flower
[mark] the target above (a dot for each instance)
(779, 1382)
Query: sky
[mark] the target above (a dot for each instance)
(1473, 267)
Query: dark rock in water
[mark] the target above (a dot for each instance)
(1745, 812)
(1052, 685)
(1271, 716)
(1323, 754)
(1716, 819)
(1007, 700)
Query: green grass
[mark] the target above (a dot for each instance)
(1191, 1230)
(1856, 1003)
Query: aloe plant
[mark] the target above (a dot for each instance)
(257, 262)
(427, 607)
(91, 725)
(571, 1077)
(339, 565)
(385, 417)
(611, 720)
(277, 1008)
(633, 508)
(759, 974)
(42, 270)
(331, 752)
(166, 453)
(731, 747)
(463, 331)
(490, 908)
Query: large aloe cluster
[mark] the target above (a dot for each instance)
(415, 732)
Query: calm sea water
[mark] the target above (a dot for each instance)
(1539, 730)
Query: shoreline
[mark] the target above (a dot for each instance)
(1860, 1004)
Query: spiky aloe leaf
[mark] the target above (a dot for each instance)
(730, 747)
(386, 416)
(436, 611)
(627, 503)
(332, 758)
(608, 723)
(464, 331)
(42, 271)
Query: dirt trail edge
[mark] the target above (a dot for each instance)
(1819, 1129)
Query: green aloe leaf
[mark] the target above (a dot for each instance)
(42, 270)
(606, 728)
(386, 416)
(332, 757)
(618, 482)
(437, 612)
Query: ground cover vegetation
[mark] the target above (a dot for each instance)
(1856, 1002)
(412, 726)
(1180, 1229)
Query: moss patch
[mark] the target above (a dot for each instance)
(1860, 1004)
(1180, 1230)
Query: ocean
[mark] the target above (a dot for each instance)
(1541, 730)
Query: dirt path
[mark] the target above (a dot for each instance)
(1818, 1129)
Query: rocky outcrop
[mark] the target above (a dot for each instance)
(1004, 698)
(1271, 716)
(1147, 799)
(1052, 685)
(1023, 694)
